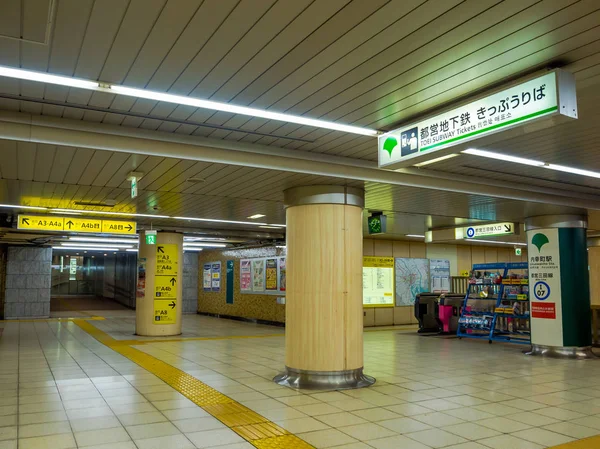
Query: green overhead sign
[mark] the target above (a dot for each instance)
(549, 94)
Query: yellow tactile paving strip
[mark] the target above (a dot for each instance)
(588, 443)
(44, 320)
(169, 340)
(254, 428)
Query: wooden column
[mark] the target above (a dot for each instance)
(168, 279)
(324, 313)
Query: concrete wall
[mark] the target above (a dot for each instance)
(190, 282)
(28, 282)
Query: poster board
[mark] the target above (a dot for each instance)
(378, 281)
(263, 275)
(411, 278)
(439, 272)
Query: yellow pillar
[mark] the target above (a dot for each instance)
(324, 313)
(159, 302)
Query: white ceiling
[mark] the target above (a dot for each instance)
(374, 63)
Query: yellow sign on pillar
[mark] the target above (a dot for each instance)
(40, 223)
(83, 225)
(165, 287)
(164, 311)
(165, 283)
(167, 259)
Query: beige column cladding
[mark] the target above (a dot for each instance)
(324, 313)
(159, 285)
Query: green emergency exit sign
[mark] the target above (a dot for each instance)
(150, 239)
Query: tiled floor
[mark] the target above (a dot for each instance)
(60, 388)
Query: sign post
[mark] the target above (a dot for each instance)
(559, 286)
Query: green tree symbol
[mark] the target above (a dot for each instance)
(389, 145)
(539, 240)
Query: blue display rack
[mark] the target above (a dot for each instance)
(488, 319)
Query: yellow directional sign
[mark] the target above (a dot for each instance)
(167, 259)
(83, 225)
(53, 223)
(40, 223)
(165, 311)
(165, 287)
(118, 227)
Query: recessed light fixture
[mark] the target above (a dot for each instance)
(255, 216)
(94, 245)
(207, 245)
(78, 248)
(16, 206)
(416, 236)
(503, 157)
(496, 242)
(575, 171)
(433, 161)
(180, 99)
(213, 220)
(104, 240)
(532, 162)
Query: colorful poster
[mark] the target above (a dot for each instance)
(246, 275)
(258, 275)
(282, 274)
(206, 277)
(141, 278)
(271, 274)
(215, 269)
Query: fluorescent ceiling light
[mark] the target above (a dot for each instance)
(197, 239)
(132, 250)
(180, 99)
(255, 216)
(65, 213)
(277, 225)
(270, 227)
(77, 248)
(189, 248)
(520, 160)
(417, 236)
(16, 206)
(98, 212)
(211, 220)
(433, 161)
(227, 107)
(47, 78)
(504, 157)
(103, 240)
(95, 245)
(208, 245)
(576, 171)
(497, 242)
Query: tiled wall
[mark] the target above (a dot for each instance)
(260, 307)
(190, 282)
(28, 282)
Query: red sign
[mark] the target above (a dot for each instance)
(543, 310)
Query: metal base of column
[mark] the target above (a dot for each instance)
(324, 380)
(560, 352)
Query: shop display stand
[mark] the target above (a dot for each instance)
(497, 311)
